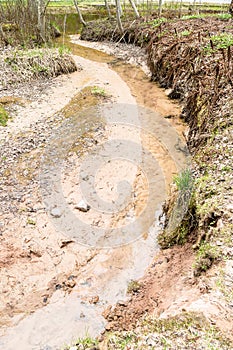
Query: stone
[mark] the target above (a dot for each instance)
(85, 178)
(71, 284)
(122, 303)
(64, 242)
(56, 212)
(83, 206)
(94, 300)
(220, 224)
(230, 207)
(108, 327)
(168, 91)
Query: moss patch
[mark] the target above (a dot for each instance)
(88, 97)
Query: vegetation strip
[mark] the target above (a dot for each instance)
(24, 65)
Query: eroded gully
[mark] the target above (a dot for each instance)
(124, 176)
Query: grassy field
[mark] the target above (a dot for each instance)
(61, 3)
(172, 4)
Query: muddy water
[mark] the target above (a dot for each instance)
(154, 146)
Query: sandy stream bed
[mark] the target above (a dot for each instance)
(54, 289)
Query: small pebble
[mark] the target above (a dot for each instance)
(83, 206)
(56, 212)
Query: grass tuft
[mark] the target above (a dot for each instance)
(97, 91)
(3, 116)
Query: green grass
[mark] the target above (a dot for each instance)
(133, 286)
(217, 42)
(63, 49)
(184, 180)
(31, 221)
(193, 16)
(222, 40)
(180, 207)
(3, 116)
(97, 91)
(156, 22)
(185, 33)
(206, 254)
(85, 343)
(61, 3)
(65, 3)
(184, 331)
(224, 16)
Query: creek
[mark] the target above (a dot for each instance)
(125, 178)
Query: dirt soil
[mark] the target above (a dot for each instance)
(169, 276)
(170, 288)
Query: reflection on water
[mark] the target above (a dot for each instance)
(69, 22)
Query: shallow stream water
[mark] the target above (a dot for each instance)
(137, 160)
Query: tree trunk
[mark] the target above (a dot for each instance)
(120, 9)
(231, 8)
(160, 7)
(107, 8)
(79, 13)
(40, 21)
(32, 4)
(180, 9)
(118, 15)
(41, 9)
(134, 8)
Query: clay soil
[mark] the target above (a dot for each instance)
(168, 279)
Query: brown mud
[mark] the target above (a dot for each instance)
(169, 275)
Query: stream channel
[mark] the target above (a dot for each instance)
(124, 177)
